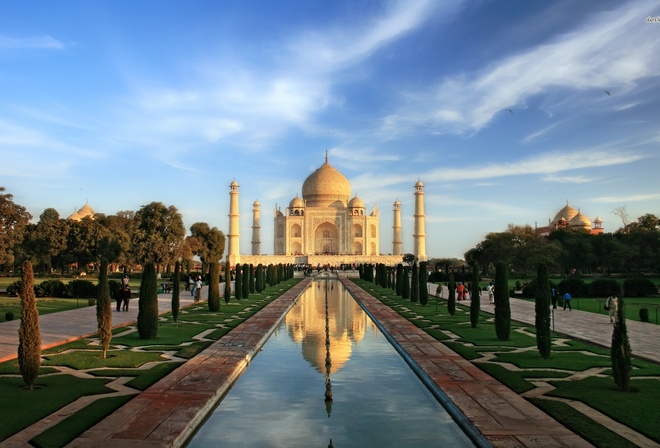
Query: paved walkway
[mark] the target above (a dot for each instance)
(67, 326)
(167, 413)
(591, 327)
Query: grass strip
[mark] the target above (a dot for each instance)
(68, 429)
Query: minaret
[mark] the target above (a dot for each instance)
(256, 229)
(419, 236)
(233, 254)
(396, 229)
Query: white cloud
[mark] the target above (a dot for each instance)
(567, 179)
(612, 49)
(30, 42)
(629, 198)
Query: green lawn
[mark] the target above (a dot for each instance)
(55, 390)
(45, 305)
(636, 409)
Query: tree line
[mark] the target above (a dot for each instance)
(155, 233)
(634, 248)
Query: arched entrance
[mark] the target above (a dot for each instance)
(326, 239)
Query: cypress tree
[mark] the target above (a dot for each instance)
(451, 298)
(227, 281)
(176, 289)
(246, 281)
(414, 287)
(214, 286)
(104, 308)
(399, 280)
(405, 288)
(259, 280)
(475, 297)
(542, 309)
(502, 306)
(620, 352)
(252, 285)
(238, 283)
(423, 289)
(147, 320)
(29, 335)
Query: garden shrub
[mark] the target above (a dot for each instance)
(50, 288)
(573, 285)
(81, 288)
(639, 287)
(644, 314)
(9, 316)
(14, 288)
(604, 287)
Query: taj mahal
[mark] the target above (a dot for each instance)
(326, 226)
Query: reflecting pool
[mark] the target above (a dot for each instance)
(327, 346)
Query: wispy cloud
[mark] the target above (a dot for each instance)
(628, 198)
(610, 49)
(579, 179)
(36, 42)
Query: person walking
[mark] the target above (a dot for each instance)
(460, 288)
(491, 292)
(198, 289)
(567, 301)
(612, 305)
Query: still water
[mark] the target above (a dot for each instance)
(280, 400)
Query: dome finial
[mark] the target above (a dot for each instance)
(326, 156)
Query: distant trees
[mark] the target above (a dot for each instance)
(13, 220)
(633, 248)
(29, 335)
(157, 234)
(207, 243)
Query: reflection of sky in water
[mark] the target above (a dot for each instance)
(377, 399)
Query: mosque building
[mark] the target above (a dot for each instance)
(326, 226)
(85, 212)
(569, 218)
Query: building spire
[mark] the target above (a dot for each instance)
(326, 156)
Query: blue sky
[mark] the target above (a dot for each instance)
(500, 108)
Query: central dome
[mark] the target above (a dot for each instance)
(326, 186)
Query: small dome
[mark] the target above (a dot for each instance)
(233, 183)
(419, 184)
(297, 202)
(85, 212)
(356, 203)
(580, 220)
(397, 203)
(256, 204)
(325, 186)
(567, 213)
(598, 220)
